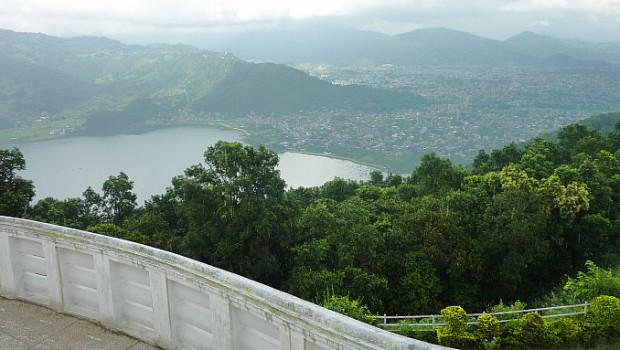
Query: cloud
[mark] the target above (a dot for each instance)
(540, 23)
(585, 7)
(214, 12)
(86, 17)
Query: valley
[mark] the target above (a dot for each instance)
(378, 113)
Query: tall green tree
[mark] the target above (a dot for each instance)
(119, 202)
(341, 255)
(68, 212)
(435, 175)
(15, 192)
(237, 212)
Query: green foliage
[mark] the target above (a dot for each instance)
(338, 189)
(112, 230)
(457, 340)
(436, 176)
(421, 286)
(455, 317)
(569, 331)
(516, 306)
(346, 306)
(71, 212)
(119, 202)
(507, 336)
(410, 329)
(237, 213)
(531, 331)
(594, 282)
(488, 327)
(455, 334)
(15, 192)
(342, 244)
(512, 229)
(605, 311)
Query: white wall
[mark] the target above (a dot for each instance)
(166, 299)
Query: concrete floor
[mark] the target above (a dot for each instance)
(27, 326)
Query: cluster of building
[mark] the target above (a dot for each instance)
(468, 109)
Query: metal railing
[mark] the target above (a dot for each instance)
(432, 321)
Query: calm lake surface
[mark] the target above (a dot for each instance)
(64, 168)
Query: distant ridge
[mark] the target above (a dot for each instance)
(343, 46)
(541, 46)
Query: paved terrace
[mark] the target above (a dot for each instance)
(26, 326)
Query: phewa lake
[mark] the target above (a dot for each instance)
(64, 168)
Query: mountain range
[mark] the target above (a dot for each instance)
(110, 85)
(343, 46)
(101, 85)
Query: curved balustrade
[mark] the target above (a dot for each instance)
(166, 299)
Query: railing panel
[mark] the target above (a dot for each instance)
(80, 290)
(191, 316)
(132, 299)
(253, 333)
(29, 270)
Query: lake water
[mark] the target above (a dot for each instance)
(64, 168)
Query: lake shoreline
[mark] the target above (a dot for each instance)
(220, 125)
(65, 167)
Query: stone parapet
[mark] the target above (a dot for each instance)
(166, 299)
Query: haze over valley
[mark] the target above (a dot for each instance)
(385, 100)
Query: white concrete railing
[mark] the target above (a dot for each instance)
(166, 299)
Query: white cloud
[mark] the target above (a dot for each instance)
(89, 17)
(586, 7)
(541, 23)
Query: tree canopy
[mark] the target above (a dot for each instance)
(15, 192)
(509, 228)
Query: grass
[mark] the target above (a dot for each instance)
(610, 344)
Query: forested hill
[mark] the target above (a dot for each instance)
(105, 81)
(604, 123)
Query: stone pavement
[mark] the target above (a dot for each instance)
(27, 326)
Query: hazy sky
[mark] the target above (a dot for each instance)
(597, 20)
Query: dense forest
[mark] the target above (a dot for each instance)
(511, 227)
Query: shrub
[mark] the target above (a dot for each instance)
(455, 333)
(408, 328)
(501, 307)
(568, 332)
(455, 317)
(596, 281)
(488, 329)
(508, 335)
(459, 340)
(352, 308)
(531, 331)
(605, 312)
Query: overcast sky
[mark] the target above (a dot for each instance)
(595, 20)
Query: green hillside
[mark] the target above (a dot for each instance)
(97, 85)
(269, 88)
(604, 123)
